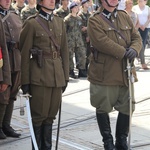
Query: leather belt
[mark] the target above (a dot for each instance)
(52, 55)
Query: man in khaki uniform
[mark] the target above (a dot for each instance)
(44, 68)
(5, 78)
(12, 26)
(108, 78)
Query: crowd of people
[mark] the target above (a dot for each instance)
(43, 41)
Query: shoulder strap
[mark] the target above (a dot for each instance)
(112, 25)
(48, 32)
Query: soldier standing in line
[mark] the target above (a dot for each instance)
(109, 86)
(44, 75)
(63, 10)
(18, 6)
(5, 76)
(28, 10)
(12, 26)
(75, 41)
(85, 14)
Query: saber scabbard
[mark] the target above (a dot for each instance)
(131, 99)
(27, 96)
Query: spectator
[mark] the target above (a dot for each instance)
(75, 41)
(63, 10)
(143, 12)
(28, 10)
(85, 14)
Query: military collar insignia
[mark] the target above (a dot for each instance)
(3, 12)
(108, 14)
(45, 15)
(115, 13)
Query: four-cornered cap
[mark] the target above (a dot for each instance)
(73, 4)
(84, 1)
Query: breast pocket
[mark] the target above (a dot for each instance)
(41, 38)
(126, 31)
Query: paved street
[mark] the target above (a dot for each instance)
(79, 130)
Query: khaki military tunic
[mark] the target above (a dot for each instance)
(12, 26)
(5, 74)
(57, 71)
(111, 47)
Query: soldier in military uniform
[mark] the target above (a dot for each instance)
(18, 6)
(75, 41)
(108, 78)
(63, 10)
(12, 26)
(46, 73)
(28, 10)
(85, 14)
(5, 78)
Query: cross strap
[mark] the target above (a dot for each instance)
(48, 32)
(112, 25)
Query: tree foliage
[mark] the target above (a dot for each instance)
(148, 2)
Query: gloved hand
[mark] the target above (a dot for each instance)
(25, 88)
(64, 87)
(130, 54)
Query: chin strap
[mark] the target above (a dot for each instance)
(3, 7)
(39, 7)
(111, 5)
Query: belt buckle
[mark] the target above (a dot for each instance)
(54, 55)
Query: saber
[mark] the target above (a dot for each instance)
(58, 128)
(26, 96)
(131, 98)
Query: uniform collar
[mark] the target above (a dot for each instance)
(3, 12)
(108, 14)
(45, 15)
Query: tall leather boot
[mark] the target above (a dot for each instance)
(46, 136)
(122, 130)
(37, 133)
(2, 113)
(105, 130)
(7, 129)
(82, 73)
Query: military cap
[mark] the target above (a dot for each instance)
(73, 4)
(84, 1)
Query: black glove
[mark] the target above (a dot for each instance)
(130, 54)
(64, 87)
(25, 88)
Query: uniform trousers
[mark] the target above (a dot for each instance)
(105, 98)
(7, 99)
(44, 103)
